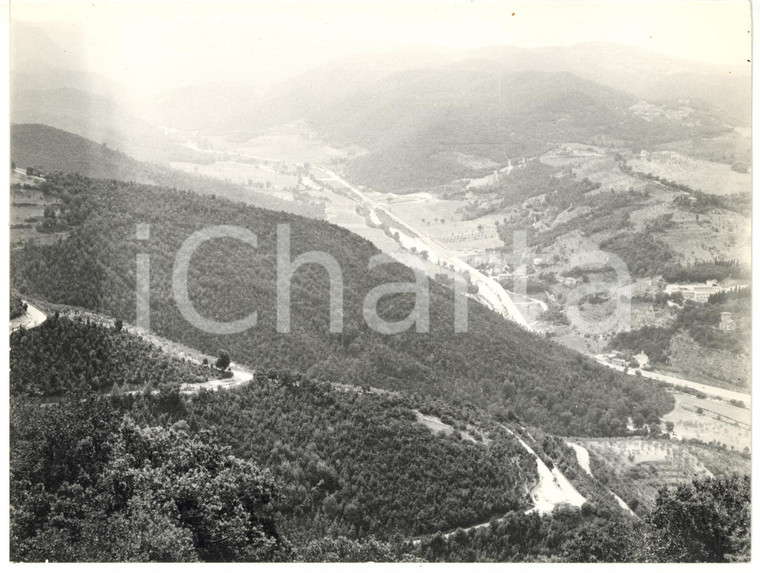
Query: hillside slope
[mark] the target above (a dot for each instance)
(494, 364)
(648, 75)
(426, 128)
(359, 463)
(51, 84)
(49, 149)
(452, 465)
(63, 355)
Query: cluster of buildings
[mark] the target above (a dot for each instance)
(699, 292)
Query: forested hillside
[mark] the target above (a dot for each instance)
(430, 126)
(17, 307)
(98, 479)
(495, 364)
(64, 354)
(270, 306)
(417, 130)
(701, 322)
(427, 121)
(338, 462)
(359, 463)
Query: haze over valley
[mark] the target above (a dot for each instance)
(587, 203)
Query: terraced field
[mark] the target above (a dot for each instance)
(27, 208)
(637, 468)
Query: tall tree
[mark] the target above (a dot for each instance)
(704, 521)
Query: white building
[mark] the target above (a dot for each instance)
(699, 292)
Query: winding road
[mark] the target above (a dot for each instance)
(489, 290)
(553, 488)
(31, 318)
(582, 456)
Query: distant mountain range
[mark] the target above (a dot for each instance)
(645, 74)
(637, 72)
(424, 117)
(424, 127)
(418, 116)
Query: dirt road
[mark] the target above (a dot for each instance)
(31, 318)
(553, 487)
(721, 393)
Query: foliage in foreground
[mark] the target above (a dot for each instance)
(706, 521)
(354, 463)
(17, 306)
(88, 486)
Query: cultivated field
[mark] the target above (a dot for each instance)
(595, 163)
(707, 176)
(638, 468)
(727, 148)
(439, 219)
(292, 143)
(716, 234)
(726, 236)
(27, 209)
(711, 420)
(341, 210)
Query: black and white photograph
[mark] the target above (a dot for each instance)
(393, 282)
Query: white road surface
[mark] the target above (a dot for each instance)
(31, 318)
(553, 487)
(240, 375)
(489, 290)
(581, 454)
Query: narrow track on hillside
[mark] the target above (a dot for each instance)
(32, 318)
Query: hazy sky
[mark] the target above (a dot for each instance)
(156, 45)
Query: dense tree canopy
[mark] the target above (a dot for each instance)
(17, 306)
(357, 463)
(494, 364)
(88, 486)
(66, 353)
(644, 254)
(288, 468)
(704, 521)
